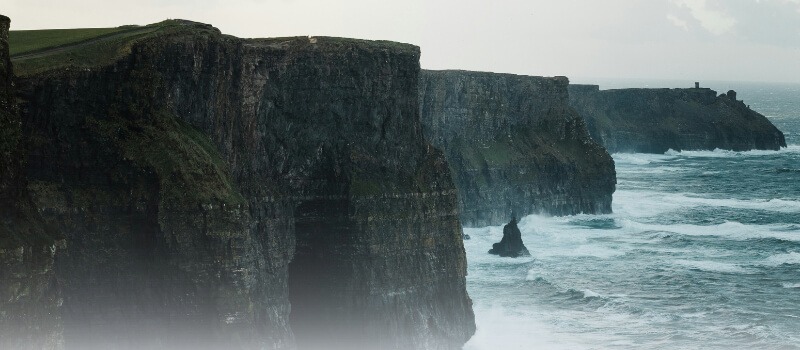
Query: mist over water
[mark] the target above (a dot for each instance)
(702, 251)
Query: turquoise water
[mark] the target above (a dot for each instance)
(702, 252)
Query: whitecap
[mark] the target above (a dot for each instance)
(588, 293)
(721, 153)
(639, 158)
(643, 203)
(792, 258)
(730, 230)
(791, 285)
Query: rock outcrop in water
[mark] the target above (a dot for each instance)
(29, 297)
(656, 120)
(514, 145)
(217, 192)
(510, 245)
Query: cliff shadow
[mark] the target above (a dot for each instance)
(321, 276)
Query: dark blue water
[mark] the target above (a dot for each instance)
(702, 251)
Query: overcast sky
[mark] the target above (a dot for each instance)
(735, 40)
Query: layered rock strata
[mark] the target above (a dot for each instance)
(29, 296)
(656, 120)
(217, 192)
(514, 146)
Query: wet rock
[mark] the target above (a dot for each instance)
(511, 244)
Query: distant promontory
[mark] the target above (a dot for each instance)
(656, 120)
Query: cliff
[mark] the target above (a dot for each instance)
(514, 146)
(217, 192)
(656, 120)
(29, 298)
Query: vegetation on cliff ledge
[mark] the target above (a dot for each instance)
(38, 51)
(189, 168)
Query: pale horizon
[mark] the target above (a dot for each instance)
(679, 40)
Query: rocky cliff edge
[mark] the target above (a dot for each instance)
(217, 192)
(656, 120)
(514, 146)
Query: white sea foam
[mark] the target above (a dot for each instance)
(792, 258)
(639, 158)
(500, 328)
(730, 230)
(648, 203)
(687, 281)
(586, 250)
(588, 293)
(720, 153)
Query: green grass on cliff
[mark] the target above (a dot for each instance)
(27, 41)
(37, 51)
(190, 169)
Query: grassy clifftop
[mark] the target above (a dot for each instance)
(37, 51)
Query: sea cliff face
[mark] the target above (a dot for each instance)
(514, 146)
(656, 120)
(225, 193)
(29, 296)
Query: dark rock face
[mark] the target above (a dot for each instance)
(29, 297)
(656, 120)
(204, 182)
(510, 245)
(514, 145)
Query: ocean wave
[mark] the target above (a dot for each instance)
(712, 266)
(787, 170)
(588, 293)
(721, 153)
(791, 285)
(730, 230)
(639, 158)
(580, 294)
(792, 258)
(534, 277)
(585, 250)
(648, 203)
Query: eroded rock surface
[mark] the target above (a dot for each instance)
(656, 120)
(514, 146)
(510, 245)
(217, 192)
(29, 295)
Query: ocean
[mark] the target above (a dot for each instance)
(702, 252)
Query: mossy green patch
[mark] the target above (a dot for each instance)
(190, 170)
(27, 41)
(503, 150)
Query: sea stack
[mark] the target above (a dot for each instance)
(510, 245)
